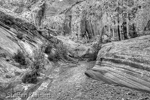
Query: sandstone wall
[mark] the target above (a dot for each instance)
(124, 63)
(114, 19)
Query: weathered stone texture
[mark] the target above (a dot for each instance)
(124, 63)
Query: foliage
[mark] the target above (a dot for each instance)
(19, 57)
(39, 60)
(52, 53)
(36, 68)
(30, 77)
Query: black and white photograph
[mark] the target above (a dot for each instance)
(74, 49)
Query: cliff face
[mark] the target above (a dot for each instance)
(116, 20)
(113, 20)
(84, 20)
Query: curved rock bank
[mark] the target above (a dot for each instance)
(70, 83)
(24, 59)
(124, 63)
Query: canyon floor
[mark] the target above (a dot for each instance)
(70, 83)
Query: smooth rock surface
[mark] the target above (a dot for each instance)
(124, 63)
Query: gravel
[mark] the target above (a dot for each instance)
(72, 84)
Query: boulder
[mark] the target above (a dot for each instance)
(124, 63)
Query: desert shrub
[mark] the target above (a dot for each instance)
(2, 15)
(52, 53)
(20, 36)
(48, 49)
(30, 77)
(39, 60)
(36, 67)
(53, 57)
(18, 21)
(19, 57)
(8, 20)
(19, 10)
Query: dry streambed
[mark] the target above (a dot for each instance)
(70, 83)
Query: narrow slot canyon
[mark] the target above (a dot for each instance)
(74, 50)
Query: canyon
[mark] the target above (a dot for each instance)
(74, 50)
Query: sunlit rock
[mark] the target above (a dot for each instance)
(124, 63)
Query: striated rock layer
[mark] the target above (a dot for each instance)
(124, 63)
(85, 19)
(25, 55)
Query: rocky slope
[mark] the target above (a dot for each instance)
(25, 55)
(19, 51)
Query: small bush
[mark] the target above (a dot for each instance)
(52, 54)
(30, 78)
(19, 10)
(36, 67)
(39, 60)
(20, 36)
(20, 58)
(48, 49)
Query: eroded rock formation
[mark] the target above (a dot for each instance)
(38, 35)
(23, 56)
(125, 63)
